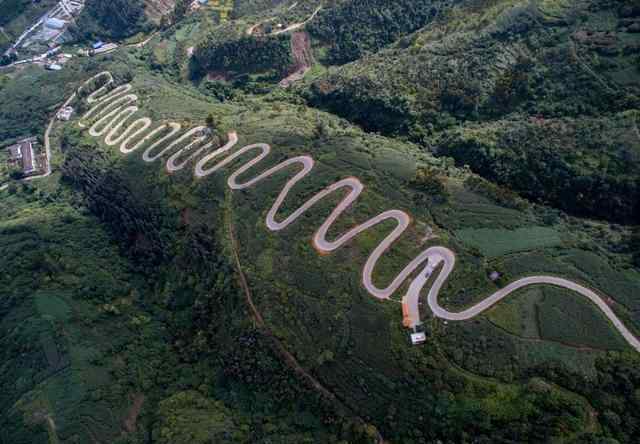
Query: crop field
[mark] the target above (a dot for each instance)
(622, 286)
(557, 314)
(553, 314)
(469, 210)
(493, 242)
(535, 263)
(493, 351)
(565, 318)
(518, 314)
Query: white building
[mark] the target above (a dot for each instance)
(418, 338)
(65, 113)
(55, 23)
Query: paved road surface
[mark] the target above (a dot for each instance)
(109, 116)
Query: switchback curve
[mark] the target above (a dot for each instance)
(113, 107)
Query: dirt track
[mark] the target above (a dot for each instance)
(293, 27)
(302, 57)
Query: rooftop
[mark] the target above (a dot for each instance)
(418, 338)
(23, 150)
(15, 152)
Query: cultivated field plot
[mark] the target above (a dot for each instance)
(557, 315)
(497, 242)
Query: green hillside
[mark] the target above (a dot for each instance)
(485, 78)
(142, 306)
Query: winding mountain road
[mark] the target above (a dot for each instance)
(114, 107)
(293, 27)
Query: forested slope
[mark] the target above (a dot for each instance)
(113, 19)
(534, 76)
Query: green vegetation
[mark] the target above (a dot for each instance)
(586, 168)
(115, 19)
(29, 100)
(5, 168)
(250, 7)
(552, 314)
(246, 55)
(18, 14)
(518, 314)
(351, 30)
(565, 318)
(122, 318)
(495, 85)
(495, 243)
(190, 417)
(13, 9)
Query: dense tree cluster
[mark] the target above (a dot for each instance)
(114, 19)
(352, 28)
(365, 102)
(180, 10)
(542, 172)
(431, 186)
(500, 195)
(111, 199)
(243, 55)
(613, 393)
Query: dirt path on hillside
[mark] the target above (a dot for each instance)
(302, 58)
(295, 26)
(298, 25)
(277, 346)
(131, 421)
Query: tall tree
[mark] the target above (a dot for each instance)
(180, 10)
